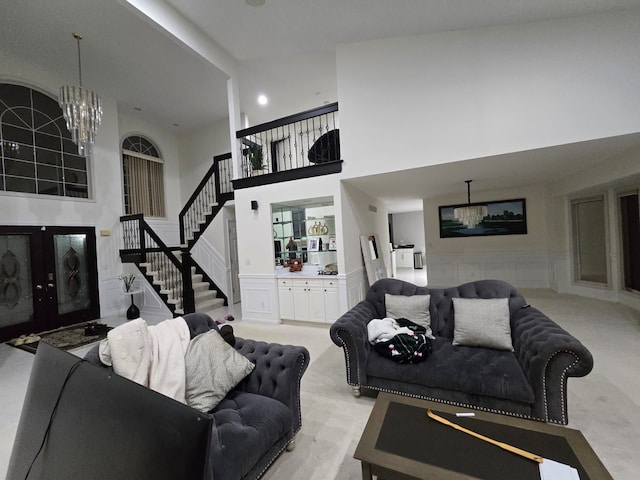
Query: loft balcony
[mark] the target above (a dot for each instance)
(303, 145)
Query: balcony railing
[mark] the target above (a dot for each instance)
(297, 146)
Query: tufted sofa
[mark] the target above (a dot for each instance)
(530, 382)
(258, 419)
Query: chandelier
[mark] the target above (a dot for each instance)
(82, 110)
(470, 215)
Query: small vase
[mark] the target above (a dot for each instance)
(133, 312)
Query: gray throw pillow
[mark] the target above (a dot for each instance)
(213, 368)
(411, 307)
(482, 323)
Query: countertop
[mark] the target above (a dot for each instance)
(308, 271)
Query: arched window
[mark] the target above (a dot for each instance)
(143, 177)
(37, 154)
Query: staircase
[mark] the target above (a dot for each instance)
(181, 283)
(206, 299)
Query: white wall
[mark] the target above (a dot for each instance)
(363, 214)
(408, 227)
(519, 259)
(468, 94)
(197, 149)
(255, 229)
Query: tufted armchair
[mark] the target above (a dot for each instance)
(529, 382)
(260, 417)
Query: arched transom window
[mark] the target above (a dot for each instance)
(143, 177)
(37, 154)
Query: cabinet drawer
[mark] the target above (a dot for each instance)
(309, 283)
(329, 283)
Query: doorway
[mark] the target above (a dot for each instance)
(233, 260)
(48, 278)
(630, 226)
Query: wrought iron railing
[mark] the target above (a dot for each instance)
(210, 195)
(169, 275)
(306, 139)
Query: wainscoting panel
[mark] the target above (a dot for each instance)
(214, 265)
(114, 303)
(521, 269)
(355, 286)
(259, 298)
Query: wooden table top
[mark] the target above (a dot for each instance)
(407, 445)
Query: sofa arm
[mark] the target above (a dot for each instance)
(548, 355)
(277, 373)
(350, 333)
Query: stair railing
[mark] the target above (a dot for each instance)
(143, 246)
(208, 198)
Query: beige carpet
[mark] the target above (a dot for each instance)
(603, 405)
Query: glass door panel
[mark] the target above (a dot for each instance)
(72, 282)
(48, 278)
(16, 287)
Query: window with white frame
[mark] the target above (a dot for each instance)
(37, 155)
(143, 177)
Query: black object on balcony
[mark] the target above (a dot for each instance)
(326, 148)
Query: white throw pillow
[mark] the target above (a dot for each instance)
(482, 323)
(213, 368)
(411, 307)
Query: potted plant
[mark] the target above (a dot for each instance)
(256, 157)
(128, 280)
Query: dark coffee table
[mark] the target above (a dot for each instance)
(401, 443)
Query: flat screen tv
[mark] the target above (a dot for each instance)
(82, 421)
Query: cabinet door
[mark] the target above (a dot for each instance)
(331, 308)
(285, 296)
(316, 303)
(300, 302)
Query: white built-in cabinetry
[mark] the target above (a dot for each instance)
(404, 257)
(308, 299)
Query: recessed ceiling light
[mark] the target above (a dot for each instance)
(254, 3)
(262, 99)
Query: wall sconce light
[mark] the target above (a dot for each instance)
(254, 204)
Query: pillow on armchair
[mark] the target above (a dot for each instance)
(213, 368)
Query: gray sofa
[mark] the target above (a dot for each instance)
(529, 382)
(257, 420)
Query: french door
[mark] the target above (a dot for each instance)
(48, 278)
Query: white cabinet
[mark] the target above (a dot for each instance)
(404, 257)
(331, 308)
(285, 297)
(311, 300)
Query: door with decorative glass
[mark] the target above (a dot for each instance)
(48, 278)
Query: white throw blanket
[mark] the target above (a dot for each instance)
(152, 356)
(383, 329)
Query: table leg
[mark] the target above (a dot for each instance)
(366, 471)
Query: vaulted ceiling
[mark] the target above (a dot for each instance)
(285, 48)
